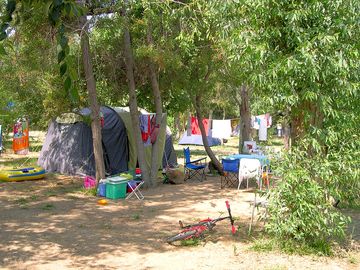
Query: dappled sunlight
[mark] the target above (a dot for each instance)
(52, 224)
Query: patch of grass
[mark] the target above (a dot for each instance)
(19, 162)
(107, 226)
(353, 260)
(22, 201)
(291, 247)
(136, 216)
(51, 193)
(190, 242)
(88, 191)
(352, 206)
(235, 252)
(48, 206)
(34, 197)
(264, 245)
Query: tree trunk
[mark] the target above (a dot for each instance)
(286, 135)
(215, 161)
(210, 119)
(94, 106)
(177, 125)
(129, 65)
(306, 115)
(158, 109)
(245, 114)
(188, 126)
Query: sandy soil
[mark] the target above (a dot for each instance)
(52, 224)
(49, 224)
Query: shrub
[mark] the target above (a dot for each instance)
(300, 208)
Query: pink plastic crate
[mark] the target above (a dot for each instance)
(89, 182)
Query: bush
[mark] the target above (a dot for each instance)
(300, 208)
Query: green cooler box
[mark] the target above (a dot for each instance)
(116, 188)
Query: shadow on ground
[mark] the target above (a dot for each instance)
(51, 219)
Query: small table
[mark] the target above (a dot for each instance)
(263, 159)
(229, 178)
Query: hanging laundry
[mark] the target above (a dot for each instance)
(221, 129)
(154, 129)
(268, 120)
(235, 127)
(263, 129)
(145, 127)
(254, 122)
(195, 126)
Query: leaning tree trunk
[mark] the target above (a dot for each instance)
(215, 161)
(156, 147)
(129, 65)
(94, 106)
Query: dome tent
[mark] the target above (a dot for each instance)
(68, 145)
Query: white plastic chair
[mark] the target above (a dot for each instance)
(250, 168)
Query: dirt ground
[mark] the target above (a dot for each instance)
(51, 224)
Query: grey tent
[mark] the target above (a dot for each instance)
(68, 145)
(169, 158)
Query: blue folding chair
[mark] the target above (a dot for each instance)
(195, 168)
(231, 172)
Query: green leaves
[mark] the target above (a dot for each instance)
(61, 56)
(67, 84)
(10, 8)
(55, 11)
(63, 68)
(300, 207)
(2, 50)
(66, 72)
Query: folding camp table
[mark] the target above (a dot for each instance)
(134, 186)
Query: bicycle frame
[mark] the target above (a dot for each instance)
(196, 230)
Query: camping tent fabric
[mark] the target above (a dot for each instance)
(115, 142)
(169, 158)
(197, 140)
(68, 147)
(125, 116)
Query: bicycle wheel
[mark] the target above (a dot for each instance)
(181, 236)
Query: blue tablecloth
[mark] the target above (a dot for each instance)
(263, 159)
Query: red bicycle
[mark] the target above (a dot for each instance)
(196, 230)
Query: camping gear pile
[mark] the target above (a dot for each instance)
(120, 186)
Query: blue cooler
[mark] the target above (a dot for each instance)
(101, 191)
